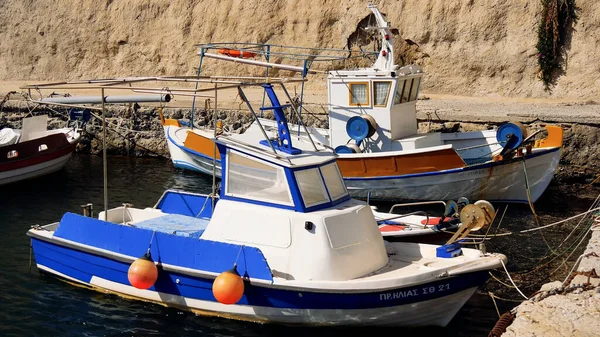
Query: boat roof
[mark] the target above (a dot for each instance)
(249, 144)
(403, 71)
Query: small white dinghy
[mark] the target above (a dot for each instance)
(420, 224)
(284, 243)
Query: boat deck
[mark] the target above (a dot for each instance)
(176, 224)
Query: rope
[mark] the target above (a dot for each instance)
(494, 300)
(537, 228)
(535, 216)
(238, 256)
(572, 231)
(511, 280)
(150, 244)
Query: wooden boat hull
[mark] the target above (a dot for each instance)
(503, 181)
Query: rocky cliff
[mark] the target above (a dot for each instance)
(467, 47)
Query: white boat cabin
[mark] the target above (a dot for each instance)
(388, 96)
(291, 207)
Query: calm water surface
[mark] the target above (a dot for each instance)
(32, 304)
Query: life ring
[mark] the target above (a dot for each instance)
(236, 53)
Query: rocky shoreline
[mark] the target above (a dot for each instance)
(137, 132)
(568, 308)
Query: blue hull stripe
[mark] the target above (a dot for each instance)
(186, 166)
(462, 169)
(82, 266)
(167, 248)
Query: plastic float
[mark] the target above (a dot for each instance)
(283, 243)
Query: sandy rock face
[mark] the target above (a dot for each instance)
(480, 48)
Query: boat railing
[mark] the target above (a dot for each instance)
(419, 203)
(399, 216)
(269, 50)
(148, 94)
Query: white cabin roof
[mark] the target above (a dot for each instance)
(249, 144)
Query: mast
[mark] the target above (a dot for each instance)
(385, 60)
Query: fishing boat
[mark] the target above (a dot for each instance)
(373, 129)
(283, 243)
(34, 151)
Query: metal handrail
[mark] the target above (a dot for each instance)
(417, 204)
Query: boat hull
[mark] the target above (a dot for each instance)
(37, 164)
(503, 181)
(186, 158)
(429, 304)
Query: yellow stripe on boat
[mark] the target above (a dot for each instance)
(200, 144)
(554, 138)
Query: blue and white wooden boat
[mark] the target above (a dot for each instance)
(308, 254)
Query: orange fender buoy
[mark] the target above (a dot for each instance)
(228, 287)
(142, 273)
(236, 53)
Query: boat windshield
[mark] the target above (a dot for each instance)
(321, 185)
(253, 179)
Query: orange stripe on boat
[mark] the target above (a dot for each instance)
(200, 144)
(391, 228)
(554, 138)
(170, 121)
(400, 164)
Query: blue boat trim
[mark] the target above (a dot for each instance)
(185, 203)
(83, 266)
(166, 248)
(181, 164)
(298, 202)
(462, 169)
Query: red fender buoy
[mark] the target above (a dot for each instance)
(228, 287)
(142, 273)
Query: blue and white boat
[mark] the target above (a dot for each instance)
(306, 252)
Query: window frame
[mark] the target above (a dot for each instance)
(399, 93)
(414, 89)
(387, 96)
(341, 178)
(350, 94)
(321, 183)
(243, 196)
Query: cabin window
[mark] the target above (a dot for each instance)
(311, 187)
(253, 179)
(381, 91)
(415, 88)
(359, 93)
(406, 92)
(335, 182)
(398, 93)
